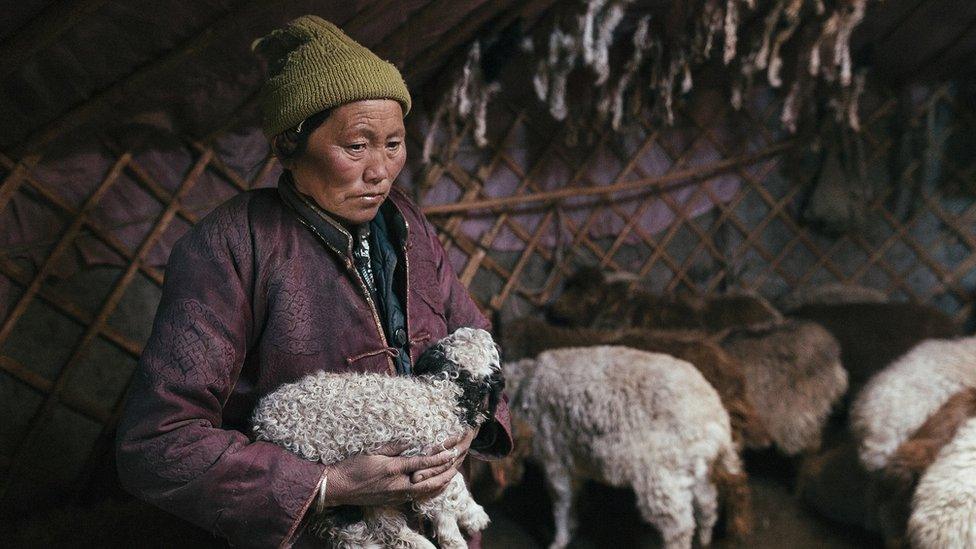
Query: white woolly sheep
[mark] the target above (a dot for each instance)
(836, 484)
(527, 337)
(793, 376)
(944, 505)
(631, 419)
(900, 477)
(898, 400)
(328, 417)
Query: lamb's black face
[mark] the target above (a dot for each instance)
(479, 393)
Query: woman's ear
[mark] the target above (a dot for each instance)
(284, 146)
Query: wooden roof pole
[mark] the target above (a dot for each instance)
(638, 184)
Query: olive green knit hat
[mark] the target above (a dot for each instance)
(313, 66)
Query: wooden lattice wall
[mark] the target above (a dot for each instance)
(750, 238)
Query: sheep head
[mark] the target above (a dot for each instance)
(469, 358)
(583, 294)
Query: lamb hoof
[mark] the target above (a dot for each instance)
(475, 521)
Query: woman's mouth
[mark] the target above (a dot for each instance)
(370, 198)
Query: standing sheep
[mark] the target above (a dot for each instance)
(835, 483)
(944, 506)
(794, 377)
(592, 299)
(872, 335)
(897, 401)
(631, 419)
(527, 337)
(329, 417)
(901, 475)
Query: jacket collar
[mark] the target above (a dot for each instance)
(326, 227)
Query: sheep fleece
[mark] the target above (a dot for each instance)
(329, 417)
(629, 418)
(944, 506)
(898, 400)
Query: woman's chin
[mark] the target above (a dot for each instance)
(358, 216)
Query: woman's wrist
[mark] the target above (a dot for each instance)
(329, 489)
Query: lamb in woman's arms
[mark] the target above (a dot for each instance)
(329, 417)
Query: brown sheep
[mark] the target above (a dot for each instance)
(836, 484)
(794, 377)
(872, 335)
(527, 337)
(902, 472)
(831, 294)
(591, 299)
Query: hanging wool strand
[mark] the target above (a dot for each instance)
(800, 46)
(467, 97)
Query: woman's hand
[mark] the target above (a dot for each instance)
(459, 445)
(384, 478)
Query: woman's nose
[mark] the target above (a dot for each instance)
(376, 170)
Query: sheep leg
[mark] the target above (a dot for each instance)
(665, 502)
(706, 509)
(450, 509)
(390, 526)
(471, 516)
(562, 489)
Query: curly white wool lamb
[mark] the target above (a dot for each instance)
(328, 417)
(629, 419)
(944, 505)
(898, 400)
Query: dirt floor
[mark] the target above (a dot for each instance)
(608, 518)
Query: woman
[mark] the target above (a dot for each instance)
(335, 269)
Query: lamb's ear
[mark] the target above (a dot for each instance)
(496, 384)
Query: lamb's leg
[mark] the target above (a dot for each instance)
(450, 509)
(563, 492)
(390, 526)
(665, 502)
(470, 516)
(706, 509)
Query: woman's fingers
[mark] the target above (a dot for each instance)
(419, 476)
(408, 466)
(432, 485)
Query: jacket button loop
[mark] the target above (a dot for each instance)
(400, 337)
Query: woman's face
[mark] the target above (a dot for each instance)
(352, 159)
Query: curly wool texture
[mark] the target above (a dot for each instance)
(329, 417)
(944, 506)
(627, 418)
(898, 400)
(793, 376)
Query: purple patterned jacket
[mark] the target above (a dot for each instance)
(254, 299)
